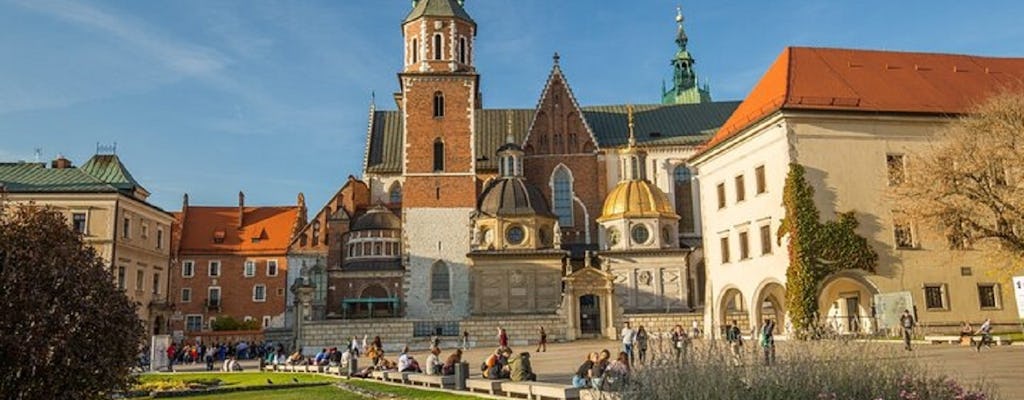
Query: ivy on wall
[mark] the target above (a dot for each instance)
(816, 250)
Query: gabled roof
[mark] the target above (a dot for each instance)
(556, 75)
(101, 174)
(272, 226)
(807, 78)
(438, 8)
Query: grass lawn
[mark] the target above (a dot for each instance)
(405, 392)
(235, 379)
(308, 393)
(242, 379)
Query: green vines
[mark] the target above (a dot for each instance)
(816, 250)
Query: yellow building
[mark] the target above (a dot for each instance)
(102, 201)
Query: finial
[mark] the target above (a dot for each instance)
(632, 138)
(556, 57)
(508, 134)
(679, 14)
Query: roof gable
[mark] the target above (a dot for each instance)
(556, 87)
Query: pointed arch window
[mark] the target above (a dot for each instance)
(438, 155)
(561, 188)
(415, 50)
(462, 50)
(395, 194)
(440, 283)
(438, 105)
(438, 49)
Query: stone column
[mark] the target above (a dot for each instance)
(303, 305)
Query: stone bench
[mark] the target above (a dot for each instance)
(378, 375)
(440, 381)
(544, 390)
(517, 388)
(955, 339)
(398, 377)
(489, 386)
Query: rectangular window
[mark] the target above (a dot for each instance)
(121, 284)
(159, 238)
(271, 267)
(126, 228)
(741, 191)
(721, 196)
(186, 295)
(156, 283)
(759, 180)
(145, 231)
(266, 321)
(744, 246)
(188, 268)
(78, 222)
(935, 297)
(194, 323)
(903, 236)
(250, 269)
(896, 168)
(988, 296)
(259, 293)
(724, 242)
(213, 296)
(214, 269)
(766, 239)
(140, 279)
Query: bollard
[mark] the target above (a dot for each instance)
(461, 374)
(353, 367)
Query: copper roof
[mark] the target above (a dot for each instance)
(806, 78)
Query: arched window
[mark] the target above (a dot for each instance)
(561, 187)
(683, 182)
(462, 50)
(395, 194)
(316, 233)
(438, 49)
(319, 279)
(438, 155)
(438, 104)
(439, 282)
(415, 50)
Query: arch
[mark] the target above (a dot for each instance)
(395, 193)
(769, 301)
(415, 50)
(846, 302)
(438, 46)
(438, 104)
(438, 155)
(730, 305)
(440, 282)
(374, 290)
(562, 195)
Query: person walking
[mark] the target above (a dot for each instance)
(641, 343)
(171, 353)
(465, 340)
(543, 344)
(768, 341)
(628, 339)
(502, 338)
(734, 337)
(678, 341)
(986, 334)
(907, 323)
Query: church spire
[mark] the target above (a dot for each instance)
(685, 88)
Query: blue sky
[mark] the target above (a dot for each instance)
(213, 96)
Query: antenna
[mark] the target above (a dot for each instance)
(106, 149)
(39, 153)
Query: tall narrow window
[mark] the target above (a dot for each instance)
(78, 222)
(721, 196)
(762, 186)
(462, 50)
(156, 283)
(896, 168)
(121, 279)
(741, 189)
(415, 50)
(561, 187)
(766, 239)
(903, 235)
(140, 279)
(438, 155)
(438, 105)
(439, 282)
(724, 243)
(395, 194)
(744, 246)
(159, 238)
(126, 228)
(683, 180)
(438, 49)
(315, 230)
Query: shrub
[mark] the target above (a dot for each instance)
(227, 323)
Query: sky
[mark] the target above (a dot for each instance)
(209, 97)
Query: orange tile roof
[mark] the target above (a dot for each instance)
(272, 226)
(807, 78)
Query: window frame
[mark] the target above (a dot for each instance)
(276, 269)
(159, 238)
(744, 242)
(563, 195)
(943, 296)
(723, 244)
(122, 277)
(188, 327)
(720, 192)
(85, 222)
(248, 272)
(439, 154)
(140, 280)
(760, 180)
(741, 188)
(156, 283)
(766, 240)
(188, 265)
(209, 268)
(997, 303)
(182, 297)
(890, 178)
(126, 227)
(415, 50)
(439, 106)
(909, 229)
(440, 295)
(438, 47)
(255, 291)
(220, 295)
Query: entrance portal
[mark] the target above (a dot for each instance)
(590, 315)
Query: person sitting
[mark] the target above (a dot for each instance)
(520, 369)
(433, 362)
(618, 372)
(375, 355)
(449, 365)
(496, 366)
(321, 357)
(582, 378)
(597, 372)
(406, 363)
(296, 358)
(231, 365)
(966, 333)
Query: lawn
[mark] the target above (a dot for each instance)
(307, 393)
(236, 379)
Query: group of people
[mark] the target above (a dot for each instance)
(599, 372)
(192, 353)
(504, 363)
(967, 332)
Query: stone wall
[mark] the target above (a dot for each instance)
(432, 235)
(662, 323)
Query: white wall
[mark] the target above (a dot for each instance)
(433, 234)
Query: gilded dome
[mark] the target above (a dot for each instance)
(636, 199)
(512, 197)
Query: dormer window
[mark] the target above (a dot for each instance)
(438, 48)
(218, 236)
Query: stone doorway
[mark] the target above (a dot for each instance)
(590, 315)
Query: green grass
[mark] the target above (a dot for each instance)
(236, 379)
(308, 393)
(406, 392)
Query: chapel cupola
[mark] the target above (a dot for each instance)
(438, 37)
(685, 89)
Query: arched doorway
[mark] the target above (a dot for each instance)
(845, 303)
(590, 315)
(770, 302)
(731, 307)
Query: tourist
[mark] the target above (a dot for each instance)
(907, 323)
(208, 357)
(520, 369)
(296, 358)
(321, 357)
(582, 378)
(496, 365)
(406, 363)
(502, 337)
(679, 342)
(628, 338)
(345, 358)
(695, 332)
(542, 345)
(966, 333)
(450, 364)
(641, 343)
(597, 371)
(231, 365)
(986, 334)
(354, 345)
(617, 373)
(465, 340)
(435, 342)
(374, 355)
(434, 362)
(768, 341)
(734, 337)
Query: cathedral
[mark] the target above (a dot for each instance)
(581, 216)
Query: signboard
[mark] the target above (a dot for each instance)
(889, 307)
(1018, 291)
(158, 353)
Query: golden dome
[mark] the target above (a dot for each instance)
(636, 199)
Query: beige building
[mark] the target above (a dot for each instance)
(851, 118)
(102, 201)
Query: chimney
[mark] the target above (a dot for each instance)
(184, 203)
(241, 209)
(60, 163)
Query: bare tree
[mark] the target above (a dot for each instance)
(66, 330)
(968, 184)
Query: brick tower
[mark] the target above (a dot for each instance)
(438, 99)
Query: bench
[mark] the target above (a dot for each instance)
(489, 386)
(395, 376)
(955, 339)
(543, 390)
(378, 375)
(440, 381)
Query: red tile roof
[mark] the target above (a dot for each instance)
(272, 226)
(805, 78)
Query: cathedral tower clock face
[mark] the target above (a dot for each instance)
(515, 235)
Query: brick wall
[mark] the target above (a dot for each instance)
(236, 289)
